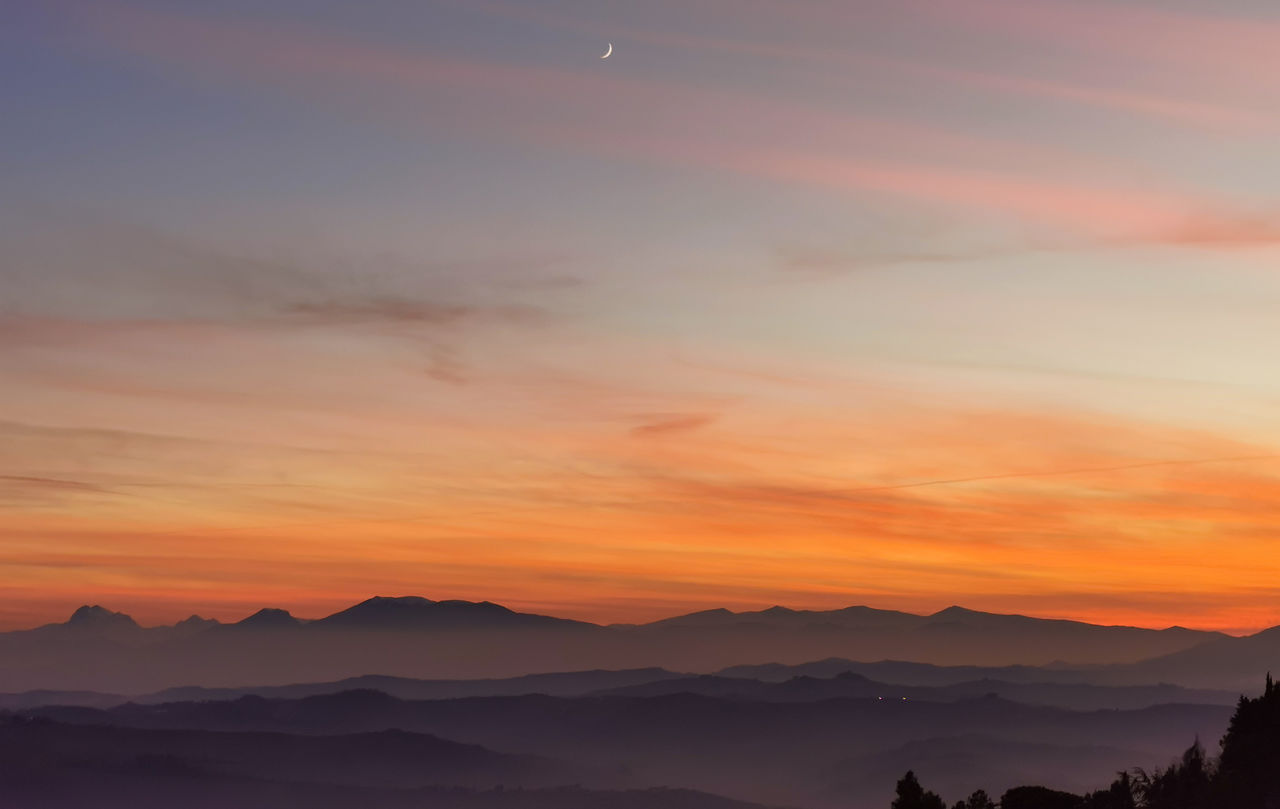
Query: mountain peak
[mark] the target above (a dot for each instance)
(97, 616)
(954, 611)
(269, 618)
(197, 620)
(778, 609)
(415, 612)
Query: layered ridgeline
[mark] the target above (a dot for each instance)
(841, 753)
(101, 650)
(1032, 686)
(462, 705)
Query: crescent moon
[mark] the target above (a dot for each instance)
(609, 52)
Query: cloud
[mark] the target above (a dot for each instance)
(33, 491)
(50, 483)
(814, 262)
(1213, 231)
(1217, 44)
(777, 140)
(76, 279)
(53, 254)
(661, 424)
(401, 310)
(857, 62)
(1208, 231)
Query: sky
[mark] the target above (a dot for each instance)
(904, 303)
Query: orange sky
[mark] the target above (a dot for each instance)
(783, 303)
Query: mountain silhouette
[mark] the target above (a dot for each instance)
(1227, 662)
(413, 612)
(269, 618)
(378, 758)
(96, 617)
(419, 638)
(1076, 696)
(660, 682)
(564, 684)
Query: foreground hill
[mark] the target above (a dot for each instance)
(413, 637)
(49, 765)
(823, 754)
(382, 758)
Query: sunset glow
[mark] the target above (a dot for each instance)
(811, 303)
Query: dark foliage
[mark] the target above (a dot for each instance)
(1247, 776)
(913, 796)
(978, 800)
(1249, 772)
(1038, 798)
(1122, 794)
(1188, 784)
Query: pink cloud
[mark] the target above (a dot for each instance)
(1192, 112)
(715, 129)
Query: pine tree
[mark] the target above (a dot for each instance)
(1249, 770)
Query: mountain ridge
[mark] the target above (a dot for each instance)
(392, 608)
(420, 638)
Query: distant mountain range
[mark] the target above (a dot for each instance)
(101, 650)
(947, 687)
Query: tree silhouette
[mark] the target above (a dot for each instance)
(1038, 798)
(978, 800)
(1122, 794)
(1249, 770)
(913, 796)
(1187, 784)
(1246, 776)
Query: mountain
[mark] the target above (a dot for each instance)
(53, 765)
(905, 672)
(387, 758)
(163, 781)
(652, 682)
(99, 650)
(1231, 663)
(412, 612)
(269, 618)
(954, 635)
(563, 684)
(1075, 696)
(99, 618)
(39, 698)
(194, 623)
(782, 617)
(412, 637)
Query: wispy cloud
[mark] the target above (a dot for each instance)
(859, 65)
(660, 424)
(964, 173)
(1216, 42)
